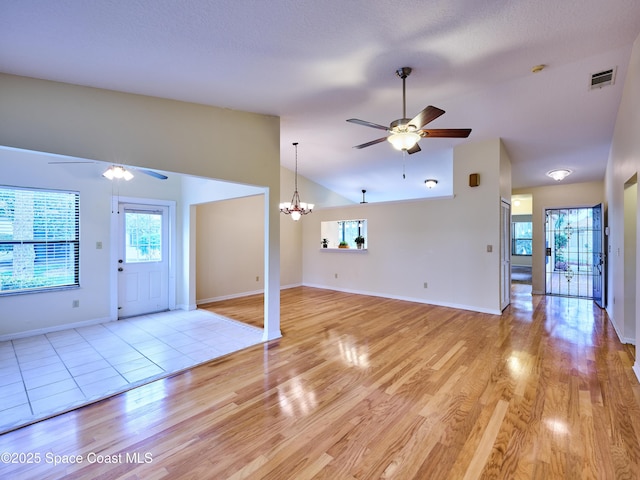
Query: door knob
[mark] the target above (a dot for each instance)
(120, 269)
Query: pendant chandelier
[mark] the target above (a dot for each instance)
(296, 208)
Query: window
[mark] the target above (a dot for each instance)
(348, 230)
(143, 236)
(39, 239)
(344, 233)
(521, 238)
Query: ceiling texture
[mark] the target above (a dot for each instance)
(316, 64)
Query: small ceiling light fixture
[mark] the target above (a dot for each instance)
(117, 172)
(296, 208)
(430, 182)
(559, 174)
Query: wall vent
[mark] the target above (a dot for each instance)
(603, 78)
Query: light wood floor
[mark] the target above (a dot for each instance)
(363, 387)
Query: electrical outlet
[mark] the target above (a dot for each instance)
(336, 275)
(257, 278)
(98, 245)
(425, 285)
(489, 248)
(75, 304)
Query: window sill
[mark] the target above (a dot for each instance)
(352, 250)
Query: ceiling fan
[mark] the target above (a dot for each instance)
(116, 171)
(404, 132)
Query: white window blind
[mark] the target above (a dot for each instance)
(39, 239)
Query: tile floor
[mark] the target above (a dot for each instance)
(44, 375)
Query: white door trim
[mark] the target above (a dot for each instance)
(114, 254)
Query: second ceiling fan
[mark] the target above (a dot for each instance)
(406, 132)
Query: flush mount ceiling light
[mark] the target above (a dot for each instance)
(430, 182)
(296, 208)
(117, 172)
(559, 174)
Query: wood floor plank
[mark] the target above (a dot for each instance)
(363, 387)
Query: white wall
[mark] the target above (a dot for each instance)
(442, 242)
(624, 163)
(53, 310)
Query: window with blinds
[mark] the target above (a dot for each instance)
(39, 239)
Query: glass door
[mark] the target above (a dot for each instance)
(571, 250)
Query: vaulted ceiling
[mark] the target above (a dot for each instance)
(316, 64)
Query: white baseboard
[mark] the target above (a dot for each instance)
(410, 299)
(242, 294)
(621, 337)
(54, 328)
(186, 307)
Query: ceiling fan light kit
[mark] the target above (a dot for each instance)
(295, 207)
(117, 172)
(405, 133)
(403, 140)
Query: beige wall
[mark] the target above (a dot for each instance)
(555, 196)
(229, 240)
(155, 133)
(624, 163)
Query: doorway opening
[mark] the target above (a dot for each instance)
(630, 255)
(574, 255)
(522, 239)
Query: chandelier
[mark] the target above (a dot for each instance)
(117, 172)
(296, 208)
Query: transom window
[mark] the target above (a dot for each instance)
(39, 239)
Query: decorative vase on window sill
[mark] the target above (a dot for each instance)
(359, 242)
(325, 243)
(343, 245)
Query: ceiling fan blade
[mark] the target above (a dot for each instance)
(446, 132)
(152, 173)
(367, 124)
(429, 114)
(415, 149)
(372, 142)
(71, 162)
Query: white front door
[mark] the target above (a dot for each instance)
(143, 259)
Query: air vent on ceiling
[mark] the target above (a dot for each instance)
(603, 79)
